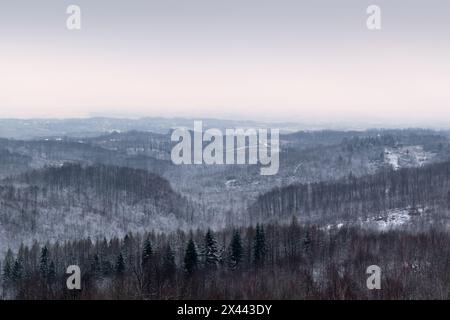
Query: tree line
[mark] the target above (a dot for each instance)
(352, 196)
(263, 262)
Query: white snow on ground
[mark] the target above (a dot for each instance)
(392, 159)
(395, 218)
(333, 226)
(409, 156)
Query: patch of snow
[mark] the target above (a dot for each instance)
(408, 156)
(334, 226)
(393, 219)
(391, 159)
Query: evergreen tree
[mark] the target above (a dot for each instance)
(8, 266)
(147, 265)
(190, 258)
(259, 247)
(169, 266)
(127, 249)
(211, 257)
(43, 265)
(147, 256)
(16, 274)
(236, 250)
(120, 265)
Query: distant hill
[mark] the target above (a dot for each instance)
(419, 190)
(74, 201)
(91, 127)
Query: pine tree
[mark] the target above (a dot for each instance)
(236, 250)
(259, 248)
(120, 265)
(16, 274)
(8, 266)
(43, 265)
(147, 265)
(210, 253)
(190, 259)
(169, 266)
(128, 249)
(147, 256)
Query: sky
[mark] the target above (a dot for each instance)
(237, 59)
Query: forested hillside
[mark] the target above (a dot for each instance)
(354, 197)
(137, 224)
(73, 201)
(266, 262)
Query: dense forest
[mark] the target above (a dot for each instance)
(140, 227)
(262, 262)
(74, 201)
(351, 197)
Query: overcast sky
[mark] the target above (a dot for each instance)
(254, 59)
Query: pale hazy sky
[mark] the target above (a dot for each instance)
(260, 59)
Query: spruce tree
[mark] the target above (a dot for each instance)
(43, 264)
(169, 266)
(211, 257)
(16, 274)
(120, 265)
(147, 265)
(147, 256)
(8, 266)
(259, 254)
(236, 250)
(190, 259)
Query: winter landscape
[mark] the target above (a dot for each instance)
(224, 150)
(140, 227)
